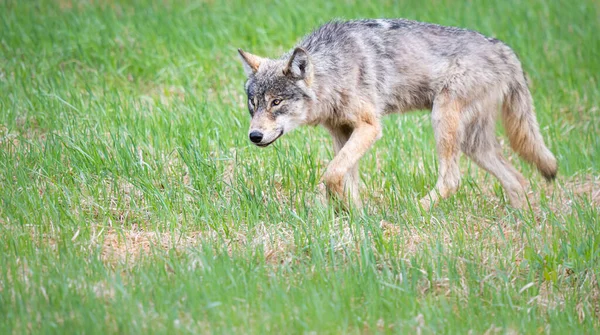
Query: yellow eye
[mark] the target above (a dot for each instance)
(276, 102)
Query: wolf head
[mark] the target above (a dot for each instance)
(279, 94)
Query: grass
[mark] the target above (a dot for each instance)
(131, 200)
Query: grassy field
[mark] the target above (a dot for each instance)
(131, 200)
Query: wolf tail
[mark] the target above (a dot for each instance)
(523, 130)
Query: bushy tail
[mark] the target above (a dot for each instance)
(523, 131)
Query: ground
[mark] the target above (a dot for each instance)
(131, 200)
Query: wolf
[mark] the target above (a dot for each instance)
(346, 75)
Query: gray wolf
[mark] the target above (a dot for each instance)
(347, 75)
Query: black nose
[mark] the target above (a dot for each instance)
(256, 136)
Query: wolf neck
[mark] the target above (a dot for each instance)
(332, 96)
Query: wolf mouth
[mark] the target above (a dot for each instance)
(267, 144)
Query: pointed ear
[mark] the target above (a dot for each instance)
(251, 62)
(299, 66)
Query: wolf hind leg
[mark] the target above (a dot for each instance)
(445, 118)
(481, 145)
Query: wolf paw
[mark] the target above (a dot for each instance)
(425, 203)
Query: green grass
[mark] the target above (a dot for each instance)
(131, 200)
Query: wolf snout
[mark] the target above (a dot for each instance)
(256, 136)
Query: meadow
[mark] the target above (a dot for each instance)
(132, 201)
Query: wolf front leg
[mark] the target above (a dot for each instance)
(340, 136)
(350, 144)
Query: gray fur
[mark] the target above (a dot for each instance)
(351, 73)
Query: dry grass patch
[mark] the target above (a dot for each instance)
(276, 242)
(279, 241)
(123, 246)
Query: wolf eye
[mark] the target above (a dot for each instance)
(276, 102)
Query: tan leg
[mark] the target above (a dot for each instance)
(493, 162)
(445, 117)
(486, 152)
(341, 135)
(343, 169)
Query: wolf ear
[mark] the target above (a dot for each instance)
(299, 66)
(251, 62)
